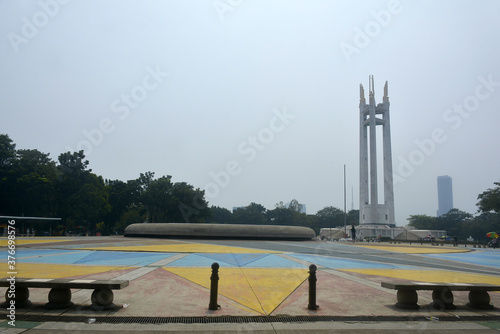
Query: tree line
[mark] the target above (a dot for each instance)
(284, 214)
(34, 185)
(464, 225)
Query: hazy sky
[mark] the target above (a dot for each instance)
(258, 101)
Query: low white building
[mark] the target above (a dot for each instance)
(396, 232)
(410, 234)
(373, 231)
(332, 233)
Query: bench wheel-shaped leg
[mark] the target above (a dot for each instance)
(479, 300)
(21, 298)
(102, 299)
(59, 298)
(407, 299)
(442, 299)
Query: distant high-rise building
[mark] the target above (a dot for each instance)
(445, 195)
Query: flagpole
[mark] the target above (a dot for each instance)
(345, 213)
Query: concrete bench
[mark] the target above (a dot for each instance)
(442, 294)
(60, 293)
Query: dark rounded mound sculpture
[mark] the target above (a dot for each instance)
(220, 231)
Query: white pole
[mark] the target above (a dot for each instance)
(345, 212)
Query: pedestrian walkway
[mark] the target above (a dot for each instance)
(171, 278)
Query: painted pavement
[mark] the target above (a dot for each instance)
(173, 278)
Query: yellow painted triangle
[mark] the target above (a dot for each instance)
(273, 286)
(261, 290)
(44, 270)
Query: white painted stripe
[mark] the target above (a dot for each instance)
(168, 260)
(136, 273)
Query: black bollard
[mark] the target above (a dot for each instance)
(312, 288)
(214, 287)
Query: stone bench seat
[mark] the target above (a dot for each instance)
(60, 293)
(442, 294)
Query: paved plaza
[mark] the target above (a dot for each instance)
(171, 278)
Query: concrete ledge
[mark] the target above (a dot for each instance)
(220, 231)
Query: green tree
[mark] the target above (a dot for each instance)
(479, 226)
(287, 214)
(253, 214)
(220, 215)
(134, 214)
(8, 193)
(489, 200)
(189, 204)
(122, 197)
(82, 196)
(7, 151)
(35, 183)
(352, 217)
(423, 222)
(143, 183)
(26, 181)
(294, 205)
(451, 222)
(173, 203)
(330, 217)
(72, 163)
(157, 199)
(281, 216)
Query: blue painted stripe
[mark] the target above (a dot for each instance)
(99, 258)
(337, 263)
(68, 258)
(21, 253)
(275, 261)
(238, 260)
(123, 258)
(105, 256)
(484, 258)
(197, 260)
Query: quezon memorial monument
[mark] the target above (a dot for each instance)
(376, 217)
(371, 211)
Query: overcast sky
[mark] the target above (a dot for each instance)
(258, 101)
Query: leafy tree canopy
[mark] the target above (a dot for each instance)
(422, 222)
(7, 150)
(489, 200)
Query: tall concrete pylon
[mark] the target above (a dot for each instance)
(371, 212)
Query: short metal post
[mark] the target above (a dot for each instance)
(312, 288)
(214, 287)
